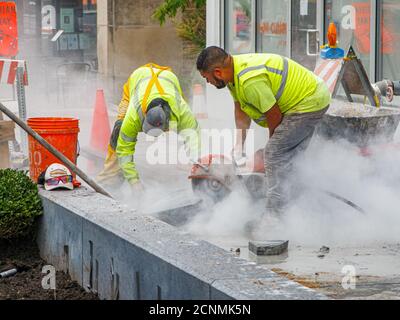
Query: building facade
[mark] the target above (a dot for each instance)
(297, 28)
(110, 38)
(39, 23)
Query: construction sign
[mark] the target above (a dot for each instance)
(9, 69)
(328, 70)
(8, 30)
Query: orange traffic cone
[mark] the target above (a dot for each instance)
(101, 131)
(199, 103)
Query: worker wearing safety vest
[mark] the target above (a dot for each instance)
(156, 105)
(274, 92)
(111, 175)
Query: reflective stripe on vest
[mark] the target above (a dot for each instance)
(124, 160)
(153, 81)
(127, 138)
(284, 73)
(261, 119)
(136, 101)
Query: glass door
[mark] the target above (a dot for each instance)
(240, 26)
(273, 26)
(388, 35)
(305, 31)
(353, 23)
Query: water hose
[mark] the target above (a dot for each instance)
(344, 200)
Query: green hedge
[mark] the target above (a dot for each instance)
(20, 204)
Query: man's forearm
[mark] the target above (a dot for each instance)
(243, 123)
(241, 135)
(125, 150)
(274, 118)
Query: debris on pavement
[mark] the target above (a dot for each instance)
(268, 248)
(309, 283)
(324, 249)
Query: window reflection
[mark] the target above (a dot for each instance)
(353, 21)
(273, 26)
(389, 57)
(240, 35)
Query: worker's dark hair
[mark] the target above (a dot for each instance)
(211, 57)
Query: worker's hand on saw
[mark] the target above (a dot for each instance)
(238, 157)
(137, 188)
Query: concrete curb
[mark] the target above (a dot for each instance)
(119, 254)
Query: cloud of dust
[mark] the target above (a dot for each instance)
(370, 182)
(227, 218)
(57, 88)
(315, 218)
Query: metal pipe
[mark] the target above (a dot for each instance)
(344, 200)
(54, 151)
(8, 273)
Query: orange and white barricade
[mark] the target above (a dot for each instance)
(328, 70)
(14, 72)
(9, 71)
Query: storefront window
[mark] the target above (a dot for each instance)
(353, 21)
(30, 18)
(240, 30)
(273, 27)
(304, 43)
(389, 52)
(88, 38)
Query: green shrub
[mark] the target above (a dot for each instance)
(20, 204)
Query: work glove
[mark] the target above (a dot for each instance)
(135, 195)
(137, 189)
(115, 134)
(238, 157)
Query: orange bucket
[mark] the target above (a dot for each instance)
(61, 133)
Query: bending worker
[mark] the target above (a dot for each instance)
(275, 92)
(152, 103)
(112, 175)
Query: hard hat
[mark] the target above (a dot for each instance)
(58, 176)
(156, 120)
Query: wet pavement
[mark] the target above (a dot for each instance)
(376, 267)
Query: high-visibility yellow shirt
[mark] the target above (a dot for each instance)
(123, 105)
(182, 119)
(263, 80)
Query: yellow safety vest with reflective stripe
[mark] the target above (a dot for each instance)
(290, 82)
(123, 105)
(144, 88)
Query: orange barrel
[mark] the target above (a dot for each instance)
(61, 133)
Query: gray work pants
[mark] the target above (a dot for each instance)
(290, 138)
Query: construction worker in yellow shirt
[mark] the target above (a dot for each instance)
(276, 93)
(111, 175)
(155, 105)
